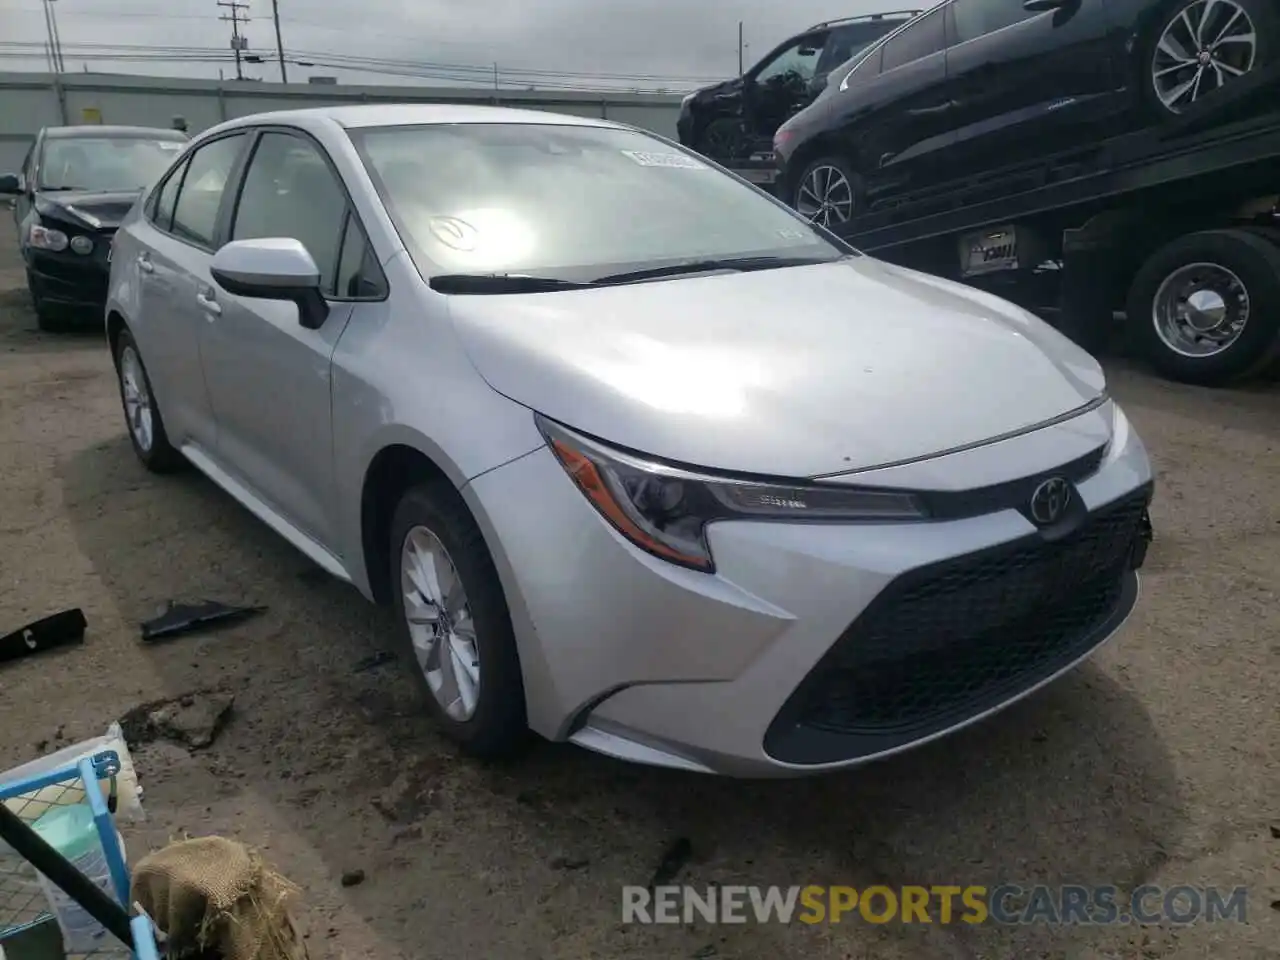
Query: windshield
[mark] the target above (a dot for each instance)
(569, 202)
(105, 164)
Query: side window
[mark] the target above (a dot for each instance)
(864, 69)
(195, 214)
(161, 207)
(797, 63)
(359, 275)
(976, 18)
(923, 37)
(853, 38)
(289, 191)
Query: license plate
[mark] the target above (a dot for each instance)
(989, 251)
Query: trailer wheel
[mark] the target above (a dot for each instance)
(1195, 47)
(1205, 308)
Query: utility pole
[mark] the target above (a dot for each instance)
(238, 42)
(275, 15)
(55, 41)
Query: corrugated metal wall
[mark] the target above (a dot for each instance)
(31, 101)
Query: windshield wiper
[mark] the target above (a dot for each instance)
(500, 283)
(736, 264)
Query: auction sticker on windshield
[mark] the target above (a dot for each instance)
(676, 161)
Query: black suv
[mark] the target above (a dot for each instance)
(974, 87)
(733, 119)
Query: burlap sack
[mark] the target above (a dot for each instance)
(216, 899)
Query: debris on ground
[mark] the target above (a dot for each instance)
(58, 630)
(352, 878)
(373, 661)
(569, 863)
(180, 618)
(673, 861)
(409, 798)
(192, 720)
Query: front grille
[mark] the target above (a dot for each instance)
(954, 639)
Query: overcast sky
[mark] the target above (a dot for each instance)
(679, 43)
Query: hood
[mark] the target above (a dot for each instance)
(724, 88)
(93, 211)
(799, 372)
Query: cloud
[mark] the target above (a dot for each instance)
(677, 44)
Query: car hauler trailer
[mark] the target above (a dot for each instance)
(1176, 226)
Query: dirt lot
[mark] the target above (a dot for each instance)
(1157, 763)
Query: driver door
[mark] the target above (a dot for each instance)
(780, 86)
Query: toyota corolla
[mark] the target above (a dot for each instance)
(642, 459)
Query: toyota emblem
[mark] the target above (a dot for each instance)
(1049, 501)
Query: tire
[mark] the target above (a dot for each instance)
(151, 445)
(433, 515)
(1197, 262)
(839, 204)
(1224, 60)
(721, 139)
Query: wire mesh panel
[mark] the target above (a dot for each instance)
(25, 913)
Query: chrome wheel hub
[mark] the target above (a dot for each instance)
(440, 624)
(137, 399)
(1200, 310)
(1206, 46)
(825, 196)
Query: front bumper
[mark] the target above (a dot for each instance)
(71, 280)
(813, 647)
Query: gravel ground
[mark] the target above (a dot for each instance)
(1158, 762)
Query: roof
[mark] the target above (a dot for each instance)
(409, 114)
(106, 130)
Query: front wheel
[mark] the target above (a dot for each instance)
(1197, 47)
(454, 624)
(1205, 308)
(827, 192)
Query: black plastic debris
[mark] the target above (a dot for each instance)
(678, 854)
(182, 618)
(59, 630)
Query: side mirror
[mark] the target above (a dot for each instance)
(273, 268)
(10, 185)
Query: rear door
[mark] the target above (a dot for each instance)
(174, 245)
(892, 111)
(1026, 84)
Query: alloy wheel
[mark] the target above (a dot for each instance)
(825, 196)
(1202, 49)
(1200, 310)
(441, 627)
(137, 399)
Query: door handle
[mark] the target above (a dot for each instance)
(208, 304)
(933, 111)
(145, 264)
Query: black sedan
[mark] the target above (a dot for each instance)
(974, 86)
(75, 186)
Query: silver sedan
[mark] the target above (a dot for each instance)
(643, 460)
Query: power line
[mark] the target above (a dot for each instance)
(238, 42)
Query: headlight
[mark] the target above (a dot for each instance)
(82, 244)
(44, 238)
(665, 510)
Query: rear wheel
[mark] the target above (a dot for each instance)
(1200, 46)
(1205, 308)
(827, 192)
(141, 414)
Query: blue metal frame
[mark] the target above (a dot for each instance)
(89, 771)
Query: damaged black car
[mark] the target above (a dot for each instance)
(75, 186)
